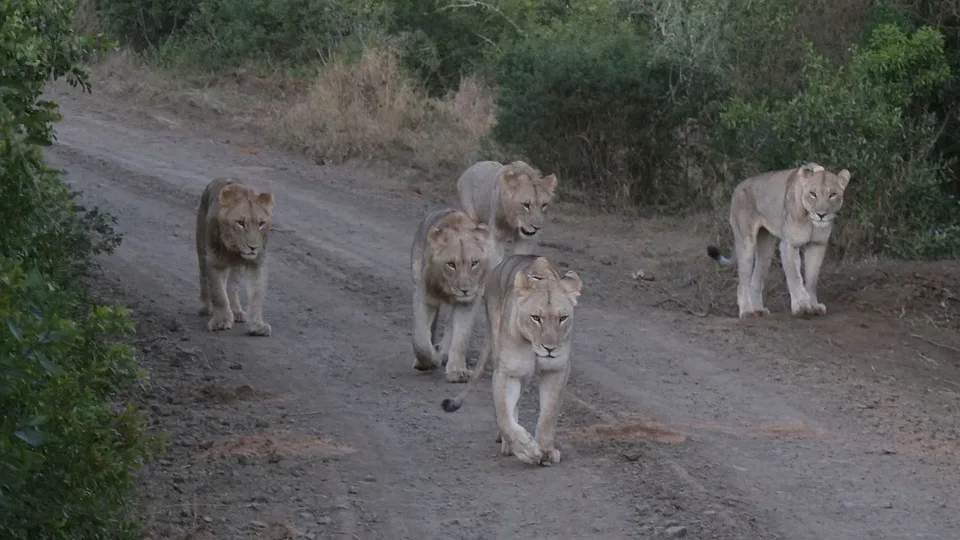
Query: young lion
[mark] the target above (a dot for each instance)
(530, 318)
(233, 223)
(450, 258)
(511, 198)
(798, 206)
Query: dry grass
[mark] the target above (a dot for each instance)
(373, 110)
(369, 110)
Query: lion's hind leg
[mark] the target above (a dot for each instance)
(746, 247)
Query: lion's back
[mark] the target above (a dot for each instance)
(476, 188)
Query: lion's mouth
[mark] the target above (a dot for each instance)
(525, 232)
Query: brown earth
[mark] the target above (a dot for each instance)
(679, 419)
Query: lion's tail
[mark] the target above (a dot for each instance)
(714, 253)
(453, 404)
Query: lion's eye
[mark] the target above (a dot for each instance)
(473, 264)
(563, 318)
(452, 264)
(813, 195)
(526, 205)
(262, 223)
(833, 195)
(544, 207)
(240, 223)
(536, 318)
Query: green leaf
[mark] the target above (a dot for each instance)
(51, 368)
(31, 436)
(14, 330)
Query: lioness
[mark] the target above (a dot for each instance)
(511, 198)
(450, 257)
(233, 223)
(530, 318)
(797, 206)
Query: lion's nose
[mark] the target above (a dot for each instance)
(549, 349)
(821, 215)
(464, 291)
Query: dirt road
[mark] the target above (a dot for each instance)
(324, 430)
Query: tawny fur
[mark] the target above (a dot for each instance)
(512, 199)
(530, 322)
(450, 258)
(796, 206)
(233, 224)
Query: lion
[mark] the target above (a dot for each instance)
(530, 321)
(797, 206)
(512, 199)
(450, 258)
(233, 224)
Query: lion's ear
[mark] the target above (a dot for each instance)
(572, 285)
(843, 178)
(510, 180)
(230, 194)
(549, 183)
(265, 200)
(436, 238)
(810, 168)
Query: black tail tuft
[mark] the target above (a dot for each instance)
(714, 253)
(451, 404)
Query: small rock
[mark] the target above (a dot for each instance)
(369, 478)
(324, 520)
(258, 524)
(306, 515)
(677, 531)
(208, 519)
(352, 490)
(236, 365)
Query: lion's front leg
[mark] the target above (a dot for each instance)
(222, 318)
(424, 318)
(799, 298)
(461, 326)
(516, 440)
(552, 384)
(233, 288)
(258, 289)
(813, 255)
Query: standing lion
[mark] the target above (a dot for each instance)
(450, 258)
(233, 223)
(797, 206)
(512, 199)
(530, 321)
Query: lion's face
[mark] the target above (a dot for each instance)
(545, 309)
(460, 251)
(245, 217)
(822, 193)
(525, 196)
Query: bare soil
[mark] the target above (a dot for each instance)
(679, 419)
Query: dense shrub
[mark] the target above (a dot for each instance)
(863, 116)
(603, 110)
(67, 448)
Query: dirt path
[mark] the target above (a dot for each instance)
(324, 430)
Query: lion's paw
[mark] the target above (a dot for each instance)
(220, 322)
(550, 457)
(459, 375)
(240, 316)
(424, 364)
(761, 312)
(818, 309)
(259, 328)
(527, 451)
(505, 449)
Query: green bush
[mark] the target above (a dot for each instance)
(602, 109)
(68, 448)
(68, 454)
(864, 116)
(144, 24)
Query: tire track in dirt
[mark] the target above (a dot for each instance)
(338, 300)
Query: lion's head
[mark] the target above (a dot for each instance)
(822, 192)
(244, 219)
(459, 251)
(524, 197)
(545, 302)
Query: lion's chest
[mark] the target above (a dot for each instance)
(801, 234)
